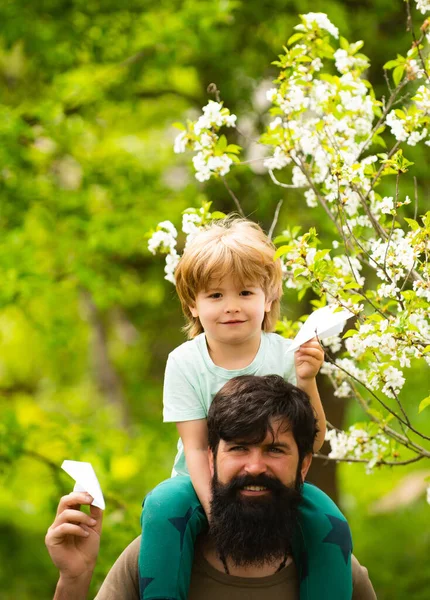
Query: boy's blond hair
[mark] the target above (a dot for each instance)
(235, 247)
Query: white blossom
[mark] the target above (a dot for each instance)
(423, 6)
(422, 99)
(416, 137)
(386, 205)
(321, 20)
(164, 239)
(271, 94)
(180, 143)
(172, 260)
(311, 199)
(345, 62)
(220, 164)
(299, 178)
(279, 160)
(397, 126)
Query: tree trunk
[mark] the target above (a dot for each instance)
(107, 378)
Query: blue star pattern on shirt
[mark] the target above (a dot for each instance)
(339, 535)
(143, 583)
(180, 523)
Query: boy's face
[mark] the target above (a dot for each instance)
(229, 313)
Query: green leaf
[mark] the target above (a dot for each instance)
(179, 125)
(391, 64)
(222, 143)
(233, 148)
(343, 43)
(352, 286)
(423, 404)
(294, 38)
(301, 294)
(321, 254)
(281, 251)
(217, 214)
(398, 74)
(376, 414)
(412, 224)
(377, 139)
(349, 333)
(426, 349)
(356, 47)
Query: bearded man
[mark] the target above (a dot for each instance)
(261, 434)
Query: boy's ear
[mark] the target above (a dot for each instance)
(268, 305)
(193, 311)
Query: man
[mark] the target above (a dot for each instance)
(261, 433)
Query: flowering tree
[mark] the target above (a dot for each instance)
(325, 136)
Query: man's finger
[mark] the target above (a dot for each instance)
(74, 500)
(56, 535)
(74, 516)
(97, 514)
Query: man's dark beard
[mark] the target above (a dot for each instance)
(253, 530)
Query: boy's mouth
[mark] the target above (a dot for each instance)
(235, 322)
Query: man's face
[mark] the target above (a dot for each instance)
(255, 495)
(276, 456)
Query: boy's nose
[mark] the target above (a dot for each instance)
(232, 305)
(232, 309)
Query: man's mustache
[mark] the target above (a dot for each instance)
(238, 483)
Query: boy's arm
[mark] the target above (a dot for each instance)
(194, 435)
(308, 360)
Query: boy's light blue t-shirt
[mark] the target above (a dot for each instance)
(192, 380)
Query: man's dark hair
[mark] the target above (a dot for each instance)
(245, 405)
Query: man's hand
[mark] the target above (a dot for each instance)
(73, 540)
(308, 360)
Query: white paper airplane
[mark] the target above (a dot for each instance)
(323, 323)
(86, 480)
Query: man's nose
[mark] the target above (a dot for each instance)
(255, 464)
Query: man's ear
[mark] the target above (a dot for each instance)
(305, 465)
(211, 462)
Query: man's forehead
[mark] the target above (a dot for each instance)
(278, 432)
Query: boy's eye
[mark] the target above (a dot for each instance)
(246, 293)
(215, 295)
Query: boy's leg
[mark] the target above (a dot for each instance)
(172, 518)
(323, 548)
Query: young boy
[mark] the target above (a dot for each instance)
(230, 289)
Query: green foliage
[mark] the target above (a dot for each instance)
(90, 94)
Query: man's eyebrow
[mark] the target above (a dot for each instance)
(280, 445)
(248, 443)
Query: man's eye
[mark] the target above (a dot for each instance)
(275, 450)
(237, 448)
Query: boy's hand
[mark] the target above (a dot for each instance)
(308, 360)
(73, 540)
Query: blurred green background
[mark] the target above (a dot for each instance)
(89, 91)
